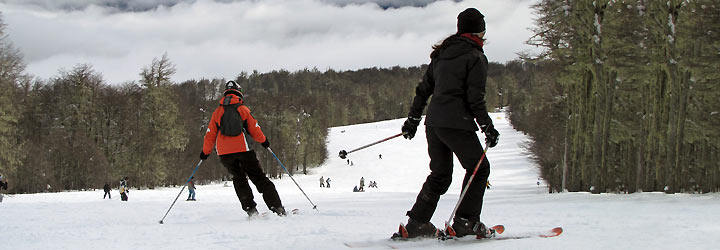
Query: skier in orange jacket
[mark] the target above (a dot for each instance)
(227, 130)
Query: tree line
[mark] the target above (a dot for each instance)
(625, 97)
(75, 131)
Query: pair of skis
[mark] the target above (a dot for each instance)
(445, 237)
(293, 211)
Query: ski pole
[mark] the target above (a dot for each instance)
(344, 153)
(462, 194)
(181, 190)
(293, 179)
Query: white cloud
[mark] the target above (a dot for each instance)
(221, 39)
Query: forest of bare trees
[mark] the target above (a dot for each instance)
(630, 95)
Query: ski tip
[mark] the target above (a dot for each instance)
(499, 229)
(553, 232)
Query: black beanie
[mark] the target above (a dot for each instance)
(470, 21)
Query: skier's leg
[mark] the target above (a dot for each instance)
(437, 183)
(467, 147)
(251, 166)
(242, 188)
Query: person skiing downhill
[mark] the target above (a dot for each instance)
(191, 189)
(456, 79)
(230, 121)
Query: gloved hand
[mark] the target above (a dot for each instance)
(266, 144)
(409, 128)
(203, 156)
(492, 136)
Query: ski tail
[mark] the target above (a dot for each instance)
(403, 231)
(491, 232)
(499, 229)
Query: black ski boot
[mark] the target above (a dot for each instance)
(252, 212)
(280, 211)
(415, 229)
(463, 227)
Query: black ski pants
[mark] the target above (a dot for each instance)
(244, 165)
(442, 143)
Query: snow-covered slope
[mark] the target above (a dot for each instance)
(82, 220)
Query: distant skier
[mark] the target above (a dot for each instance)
(456, 78)
(362, 184)
(327, 181)
(3, 185)
(107, 190)
(230, 121)
(124, 190)
(380, 156)
(355, 189)
(191, 189)
(322, 181)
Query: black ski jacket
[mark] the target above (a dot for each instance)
(456, 79)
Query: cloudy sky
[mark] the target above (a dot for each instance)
(221, 38)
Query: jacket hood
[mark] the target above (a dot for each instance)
(457, 46)
(233, 99)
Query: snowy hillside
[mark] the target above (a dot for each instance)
(83, 220)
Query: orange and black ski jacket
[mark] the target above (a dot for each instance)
(231, 144)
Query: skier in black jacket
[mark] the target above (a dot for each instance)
(456, 79)
(107, 189)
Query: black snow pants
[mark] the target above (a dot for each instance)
(244, 165)
(442, 143)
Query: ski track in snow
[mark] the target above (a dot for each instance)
(82, 220)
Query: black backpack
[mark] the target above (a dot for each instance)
(231, 123)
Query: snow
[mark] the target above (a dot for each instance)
(82, 220)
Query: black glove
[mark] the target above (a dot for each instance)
(266, 144)
(410, 127)
(492, 136)
(203, 156)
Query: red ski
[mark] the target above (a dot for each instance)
(425, 241)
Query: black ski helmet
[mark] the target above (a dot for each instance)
(231, 87)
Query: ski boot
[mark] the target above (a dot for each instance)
(414, 229)
(280, 211)
(252, 212)
(462, 227)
